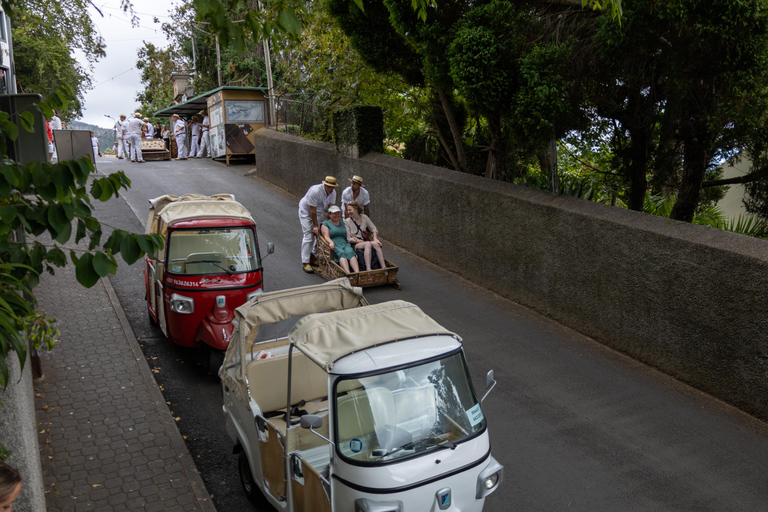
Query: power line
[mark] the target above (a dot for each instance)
(109, 79)
(135, 12)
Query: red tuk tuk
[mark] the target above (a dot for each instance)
(210, 265)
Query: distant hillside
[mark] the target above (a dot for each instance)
(106, 136)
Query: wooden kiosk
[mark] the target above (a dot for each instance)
(234, 114)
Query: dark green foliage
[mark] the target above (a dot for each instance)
(37, 199)
(362, 127)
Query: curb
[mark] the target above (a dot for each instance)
(185, 458)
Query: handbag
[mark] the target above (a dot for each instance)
(365, 234)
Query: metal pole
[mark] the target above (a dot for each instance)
(218, 58)
(270, 89)
(553, 164)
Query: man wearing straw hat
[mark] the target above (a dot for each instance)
(355, 192)
(311, 208)
(133, 136)
(120, 127)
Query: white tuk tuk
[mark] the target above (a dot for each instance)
(358, 408)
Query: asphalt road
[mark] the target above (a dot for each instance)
(577, 426)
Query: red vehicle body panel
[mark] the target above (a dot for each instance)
(207, 324)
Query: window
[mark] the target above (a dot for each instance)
(406, 412)
(212, 251)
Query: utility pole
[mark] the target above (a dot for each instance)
(268, 69)
(270, 89)
(218, 57)
(218, 49)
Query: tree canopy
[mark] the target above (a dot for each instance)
(44, 34)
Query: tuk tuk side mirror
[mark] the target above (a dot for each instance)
(313, 421)
(270, 249)
(490, 383)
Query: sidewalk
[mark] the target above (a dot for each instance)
(107, 439)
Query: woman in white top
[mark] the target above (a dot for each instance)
(357, 223)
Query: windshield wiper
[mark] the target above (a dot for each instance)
(214, 263)
(423, 442)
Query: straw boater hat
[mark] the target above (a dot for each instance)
(356, 179)
(195, 118)
(330, 181)
(146, 119)
(122, 115)
(174, 115)
(137, 114)
(202, 112)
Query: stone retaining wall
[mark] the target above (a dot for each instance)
(686, 299)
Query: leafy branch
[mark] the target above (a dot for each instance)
(40, 199)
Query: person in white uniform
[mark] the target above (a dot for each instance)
(149, 131)
(311, 208)
(180, 132)
(205, 127)
(194, 128)
(55, 125)
(95, 147)
(355, 192)
(133, 133)
(120, 127)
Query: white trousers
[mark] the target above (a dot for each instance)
(193, 146)
(181, 144)
(308, 239)
(121, 151)
(135, 140)
(204, 143)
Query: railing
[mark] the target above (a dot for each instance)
(308, 120)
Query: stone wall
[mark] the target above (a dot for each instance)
(686, 299)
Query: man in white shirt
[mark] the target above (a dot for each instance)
(180, 132)
(149, 130)
(133, 134)
(120, 127)
(311, 208)
(204, 136)
(55, 122)
(355, 192)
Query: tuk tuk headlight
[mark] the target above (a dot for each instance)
(489, 479)
(253, 294)
(182, 304)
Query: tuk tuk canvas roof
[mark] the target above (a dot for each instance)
(327, 337)
(272, 307)
(169, 208)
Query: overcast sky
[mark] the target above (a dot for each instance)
(115, 77)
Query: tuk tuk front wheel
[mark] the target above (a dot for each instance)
(214, 358)
(250, 488)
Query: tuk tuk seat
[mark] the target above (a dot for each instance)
(268, 382)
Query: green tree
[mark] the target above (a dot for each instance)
(44, 33)
(693, 76)
(156, 66)
(321, 67)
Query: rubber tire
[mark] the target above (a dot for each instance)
(250, 488)
(215, 358)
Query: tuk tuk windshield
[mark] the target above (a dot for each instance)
(212, 251)
(406, 412)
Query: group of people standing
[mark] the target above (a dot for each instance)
(130, 132)
(355, 234)
(199, 129)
